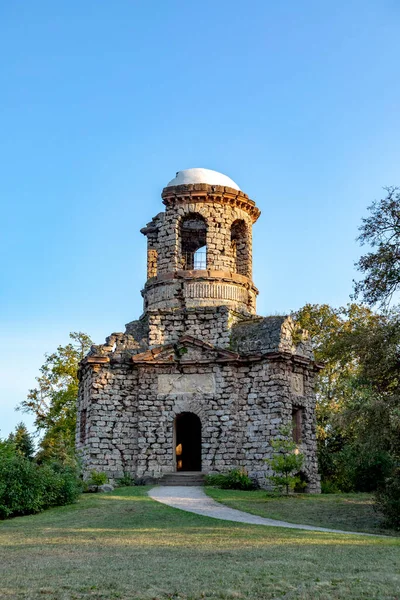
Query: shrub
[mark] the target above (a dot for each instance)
(20, 487)
(140, 481)
(96, 479)
(60, 484)
(236, 479)
(27, 488)
(354, 467)
(329, 487)
(387, 500)
(125, 481)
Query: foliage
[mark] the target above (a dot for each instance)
(97, 478)
(381, 266)
(7, 449)
(388, 499)
(53, 401)
(20, 487)
(61, 484)
(125, 481)
(26, 487)
(286, 463)
(140, 481)
(329, 487)
(358, 413)
(235, 479)
(22, 441)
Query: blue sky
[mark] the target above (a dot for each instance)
(102, 102)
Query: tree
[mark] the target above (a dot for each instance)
(375, 409)
(22, 441)
(286, 463)
(53, 401)
(381, 266)
(334, 384)
(7, 449)
(347, 456)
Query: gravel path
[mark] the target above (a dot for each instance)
(195, 500)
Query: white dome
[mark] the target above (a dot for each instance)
(202, 176)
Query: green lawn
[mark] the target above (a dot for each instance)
(125, 545)
(350, 512)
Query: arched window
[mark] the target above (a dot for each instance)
(240, 247)
(193, 235)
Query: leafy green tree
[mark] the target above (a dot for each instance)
(374, 410)
(347, 457)
(286, 462)
(7, 449)
(335, 382)
(381, 266)
(53, 401)
(23, 441)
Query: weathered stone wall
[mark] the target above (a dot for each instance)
(130, 421)
(108, 394)
(210, 324)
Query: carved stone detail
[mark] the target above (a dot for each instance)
(203, 383)
(297, 384)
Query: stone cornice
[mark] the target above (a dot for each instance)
(202, 192)
(149, 359)
(95, 360)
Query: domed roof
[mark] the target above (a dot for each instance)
(202, 176)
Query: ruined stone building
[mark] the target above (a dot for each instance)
(199, 382)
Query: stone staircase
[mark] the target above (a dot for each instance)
(182, 478)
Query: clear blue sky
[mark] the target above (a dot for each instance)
(102, 102)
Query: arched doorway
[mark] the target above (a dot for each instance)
(188, 442)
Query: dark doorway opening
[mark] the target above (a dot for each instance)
(188, 442)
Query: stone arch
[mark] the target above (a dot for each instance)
(240, 249)
(192, 234)
(191, 404)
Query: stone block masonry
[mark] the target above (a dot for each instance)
(199, 382)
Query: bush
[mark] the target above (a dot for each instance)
(60, 484)
(27, 488)
(20, 487)
(97, 478)
(125, 481)
(329, 487)
(236, 479)
(354, 467)
(387, 500)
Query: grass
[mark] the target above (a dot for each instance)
(350, 512)
(124, 545)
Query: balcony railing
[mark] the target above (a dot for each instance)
(192, 261)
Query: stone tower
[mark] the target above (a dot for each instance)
(199, 382)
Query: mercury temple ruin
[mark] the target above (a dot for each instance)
(199, 383)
